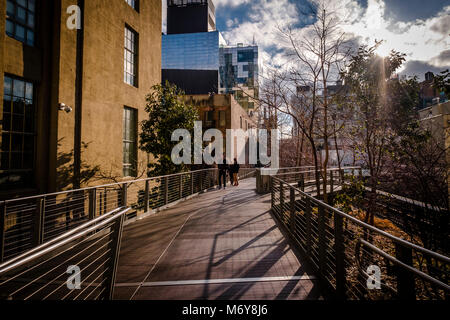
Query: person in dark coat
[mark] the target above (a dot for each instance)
(223, 167)
(235, 169)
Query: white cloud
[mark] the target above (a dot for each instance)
(421, 40)
(230, 3)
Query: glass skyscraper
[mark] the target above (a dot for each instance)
(238, 72)
(191, 51)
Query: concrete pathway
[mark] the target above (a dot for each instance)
(222, 244)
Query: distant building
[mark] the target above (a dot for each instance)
(190, 49)
(428, 94)
(197, 59)
(222, 112)
(71, 99)
(191, 61)
(436, 119)
(239, 73)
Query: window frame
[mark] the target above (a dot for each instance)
(136, 5)
(23, 133)
(130, 166)
(134, 53)
(15, 21)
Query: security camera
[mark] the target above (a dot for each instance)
(64, 107)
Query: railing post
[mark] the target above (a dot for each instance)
(308, 213)
(405, 280)
(339, 249)
(115, 251)
(105, 201)
(272, 192)
(2, 230)
(147, 196)
(192, 183)
(181, 186)
(281, 199)
(201, 181)
(301, 182)
(331, 181)
(322, 242)
(292, 210)
(38, 234)
(360, 173)
(124, 194)
(166, 190)
(92, 203)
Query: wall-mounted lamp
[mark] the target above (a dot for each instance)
(64, 107)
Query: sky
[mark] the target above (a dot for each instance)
(418, 28)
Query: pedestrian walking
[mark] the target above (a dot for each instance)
(223, 168)
(235, 169)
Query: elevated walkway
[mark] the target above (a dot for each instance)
(223, 244)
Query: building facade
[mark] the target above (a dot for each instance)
(238, 71)
(223, 112)
(191, 61)
(72, 97)
(190, 16)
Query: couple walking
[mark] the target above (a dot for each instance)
(232, 169)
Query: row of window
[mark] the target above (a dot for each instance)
(20, 25)
(20, 20)
(209, 119)
(18, 135)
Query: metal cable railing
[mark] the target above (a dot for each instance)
(29, 222)
(81, 264)
(343, 250)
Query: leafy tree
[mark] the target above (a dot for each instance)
(166, 112)
(367, 78)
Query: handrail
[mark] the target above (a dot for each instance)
(405, 266)
(370, 227)
(331, 241)
(313, 171)
(61, 237)
(102, 186)
(64, 239)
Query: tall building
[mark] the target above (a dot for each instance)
(191, 61)
(190, 16)
(239, 73)
(196, 58)
(72, 98)
(190, 49)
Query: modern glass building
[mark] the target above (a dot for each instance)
(238, 70)
(191, 51)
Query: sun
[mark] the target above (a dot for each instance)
(383, 49)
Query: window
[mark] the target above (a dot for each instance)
(18, 133)
(246, 56)
(134, 4)
(129, 142)
(20, 20)
(222, 119)
(241, 122)
(131, 57)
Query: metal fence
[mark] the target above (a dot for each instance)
(78, 265)
(344, 251)
(28, 222)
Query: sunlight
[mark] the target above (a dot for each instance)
(383, 50)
